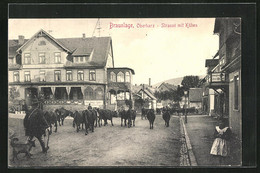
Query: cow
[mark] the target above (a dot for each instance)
(90, 117)
(51, 119)
(78, 120)
(166, 116)
(106, 115)
(63, 113)
(158, 110)
(131, 115)
(144, 113)
(151, 117)
(123, 115)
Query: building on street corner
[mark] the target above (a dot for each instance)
(224, 74)
(68, 71)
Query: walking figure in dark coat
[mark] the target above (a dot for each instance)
(89, 107)
(35, 125)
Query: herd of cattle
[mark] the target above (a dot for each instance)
(92, 118)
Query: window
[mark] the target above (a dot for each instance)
(42, 76)
(120, 95)
(92, 75)
(27, 58)
(16, 76)
(80, 75)
(89, 93)
(112, 77)
(57, 76)
(57, 57)
(127, 77)
(27, 76)
(120, 77)
(69, 75)
(127, 95)
(236, 98)
(76, 59)
(99, 93)
(81, 59)
(42, 58)
(41, 43)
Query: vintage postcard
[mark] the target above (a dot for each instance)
(124, 92)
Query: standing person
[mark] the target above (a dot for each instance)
(89, 107)
(35, 124)
(220, 146)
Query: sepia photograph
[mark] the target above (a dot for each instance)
(124, 92)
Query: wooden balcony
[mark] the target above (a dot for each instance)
(217, 80)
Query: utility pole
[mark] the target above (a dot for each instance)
(97, 27)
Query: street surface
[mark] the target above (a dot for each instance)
(200, 130)
(107, 146)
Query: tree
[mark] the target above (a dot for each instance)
(190, 82)
(178, 94)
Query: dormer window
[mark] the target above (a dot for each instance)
(80, 59)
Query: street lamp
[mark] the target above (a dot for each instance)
(185, 94)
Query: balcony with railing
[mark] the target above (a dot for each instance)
(216, 80)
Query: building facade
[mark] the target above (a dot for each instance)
(65, 71)
(195, 98)
(224, 77)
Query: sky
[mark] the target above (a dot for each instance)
(152, 51)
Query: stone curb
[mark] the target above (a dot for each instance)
(184, 157)
(192, 158)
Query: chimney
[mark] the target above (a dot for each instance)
(84, 35)
(20, 39)
(149, 82)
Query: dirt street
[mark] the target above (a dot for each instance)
(107, 146)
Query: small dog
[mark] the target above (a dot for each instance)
(21, 148)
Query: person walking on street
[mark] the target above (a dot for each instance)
(35, 125)
(220, 147)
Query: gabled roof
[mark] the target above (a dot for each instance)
(99, 46)
(195, 94)
(147, 92)
(48, 35)
(168, 86)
